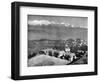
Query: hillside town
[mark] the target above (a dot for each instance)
(70, 50)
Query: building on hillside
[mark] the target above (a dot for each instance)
(67, 49)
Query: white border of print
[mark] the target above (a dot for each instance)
(25, 70)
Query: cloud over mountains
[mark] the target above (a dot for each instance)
(39, 22)
(46, 22)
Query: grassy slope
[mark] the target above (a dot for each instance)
(44, 60)
(83, 60)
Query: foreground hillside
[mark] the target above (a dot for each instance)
(45, 60)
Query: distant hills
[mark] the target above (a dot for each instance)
(56, 32)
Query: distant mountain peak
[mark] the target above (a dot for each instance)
(47, 22)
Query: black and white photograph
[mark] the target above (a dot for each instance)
(53, 40)
(57, 40)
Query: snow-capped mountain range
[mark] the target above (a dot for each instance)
(47, 22)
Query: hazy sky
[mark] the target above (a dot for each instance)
(74, 21)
